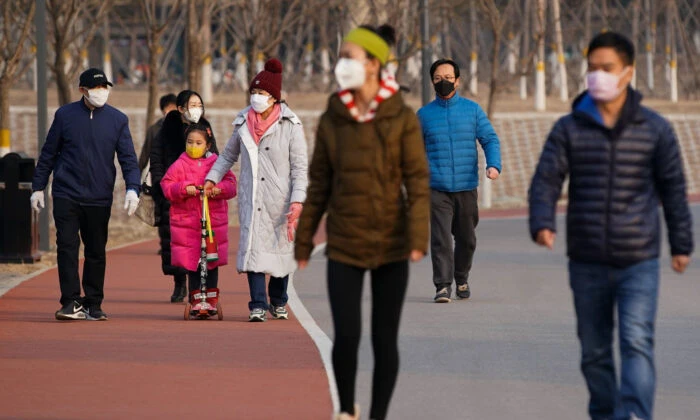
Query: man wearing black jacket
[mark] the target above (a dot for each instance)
(79, 150)
(623, 160)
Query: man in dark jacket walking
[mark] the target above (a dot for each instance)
(623, 160)
(168, 103)
(79, 150)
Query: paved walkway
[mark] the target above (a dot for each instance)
(146, 361)
(511, 352)
(508, 352)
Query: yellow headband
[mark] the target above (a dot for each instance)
(371, 42)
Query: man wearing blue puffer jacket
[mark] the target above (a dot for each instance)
(623, 161)
(451, 127)
(79, 150)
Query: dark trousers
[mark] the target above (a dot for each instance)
(196, 282)
(453, 218)
(389, 283)
(73, 223)
(165, 250)
(276, 288)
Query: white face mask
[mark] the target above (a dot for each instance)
(350, 73)
(194, 114)
(604, 86)
(97, 97)
(259, 102)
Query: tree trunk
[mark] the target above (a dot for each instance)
(525, 48)
(152, 82)
(673, 54)
(650, 44)
(635, 37)
(106, 54)
(62, 83)
(493, 84)
(193, 51)
(251, 53)
(605, 13)
(473, 68)
(5, 145)
(540, 94)
(324, 48)
(564, 81)
(583, 84)
(205, 56)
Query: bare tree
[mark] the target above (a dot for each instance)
(498, 19)
(154, 31)
(73, 24)
(17, 17)
(199, 42)
(261, 25)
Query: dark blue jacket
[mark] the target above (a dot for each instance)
(80, 149)
(617, 179)
(451, 128)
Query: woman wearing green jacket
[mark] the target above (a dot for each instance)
(369, 173)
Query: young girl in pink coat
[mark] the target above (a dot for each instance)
(180, 186)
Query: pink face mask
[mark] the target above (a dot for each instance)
(603, 86)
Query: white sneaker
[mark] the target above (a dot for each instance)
(279, 312)
(257, 315)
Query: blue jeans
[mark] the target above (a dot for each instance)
(277, 288)
(597, 288)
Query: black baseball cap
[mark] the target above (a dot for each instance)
(92, 78)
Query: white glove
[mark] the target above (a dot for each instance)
(131, 202)
(37, 200)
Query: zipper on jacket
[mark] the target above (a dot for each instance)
(91, 114)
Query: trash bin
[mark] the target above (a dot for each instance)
(19, 234)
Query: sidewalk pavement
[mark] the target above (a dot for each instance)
(146, 361)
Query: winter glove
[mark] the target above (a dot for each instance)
(37, 200)
(293, 219)
(131, 202)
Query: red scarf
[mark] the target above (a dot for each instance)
(387, 87)
(258, 126)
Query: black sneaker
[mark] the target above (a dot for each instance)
(71, 311)
(463, 291)
(95, 313)
(443, 295)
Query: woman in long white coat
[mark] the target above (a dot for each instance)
(269, 140)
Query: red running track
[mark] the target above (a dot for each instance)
(146, 361)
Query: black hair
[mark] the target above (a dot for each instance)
(204, 129)
(385, 32)
(620, 43)
(168, 99)
(442, 61)
(184, 97)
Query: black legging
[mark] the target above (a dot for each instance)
(389, 284)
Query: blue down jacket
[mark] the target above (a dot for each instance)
(451, 128)
(617, 179)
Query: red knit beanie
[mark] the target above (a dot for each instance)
(270, 79)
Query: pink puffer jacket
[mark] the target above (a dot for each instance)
(186, 210)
